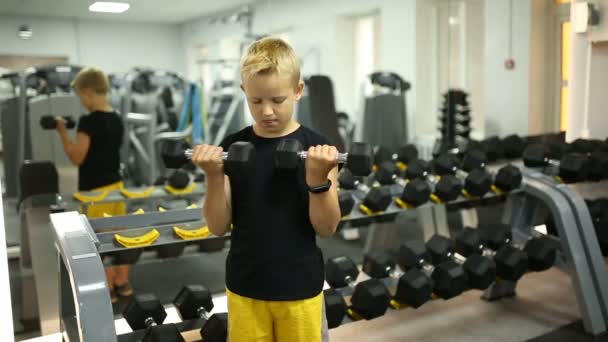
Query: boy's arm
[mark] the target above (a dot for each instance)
(78, 150)
(217, 209)
(324, 209)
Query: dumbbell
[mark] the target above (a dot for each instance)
(447, 280)
(400, 157)
(370, 298)
(415, 192)
(358, 160)
(512, 146)
(480, 270)
(512, 260)
(239, 158)
(335, 307)
(598, 165)
(145, 311)
(446, 189)
(507, 178)
(346, 202)
(195, 302)
(573, 167)
(179, 179)
(376, 199)
(414, 288)
(476, 182)
(48, 122)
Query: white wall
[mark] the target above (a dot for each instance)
(316, 25)
(433, 64)
(109, 45)
(505, 98)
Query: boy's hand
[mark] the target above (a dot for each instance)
(320, 161)
(209, 159)
(60, 124)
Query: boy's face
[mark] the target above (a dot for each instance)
(271, 99)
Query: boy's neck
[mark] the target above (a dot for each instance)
(291, 127)
(101, 106)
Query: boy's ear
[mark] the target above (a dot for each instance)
(299, 90)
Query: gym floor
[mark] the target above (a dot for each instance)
(545, 308)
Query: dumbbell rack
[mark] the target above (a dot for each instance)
(85, 310)
(39, 275)
(580, 255)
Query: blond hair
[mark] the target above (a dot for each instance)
(270, 55)
(92, 78)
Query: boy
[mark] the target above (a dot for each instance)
(96, 152)
(274, 271)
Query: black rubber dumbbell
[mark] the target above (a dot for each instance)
(376, 199)
(370, 298)
(49, 122)
(447, 279)
(573, 167)
(346, 201)
(179, 179)
(512, 260)
(238, 159)
(415, 192)
(507, 178)
(512, 146)
(444, 189)
(475, 180)
(358, 160)
(195, 302)
(480, 270)
(145, 311)
(335, 308)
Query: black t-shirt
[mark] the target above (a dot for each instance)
(273, 251)
(101, 166)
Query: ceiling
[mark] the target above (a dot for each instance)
(165, 11)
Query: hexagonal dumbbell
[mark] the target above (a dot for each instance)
(195, 302)
(358, 160)
(512, 146)
(415, 191)
(370, 298)
(447, 279)
(376, 199)
(346, 202)
(573, 167)
(335, 307)
(443, 189)
(512, 261)
(480, 270)
(145, 311)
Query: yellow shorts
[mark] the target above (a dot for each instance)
(252, 320)
(113, 208)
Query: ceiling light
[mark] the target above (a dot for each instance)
(109, 7)
(24, 32)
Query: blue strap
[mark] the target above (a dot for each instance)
(185, 115)
(197, 126)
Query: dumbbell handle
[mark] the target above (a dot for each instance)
(202, 313)
(188, 154)
(150, 322)
(340, 158)
(350, 282)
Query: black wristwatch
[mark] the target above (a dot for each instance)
(320, 188)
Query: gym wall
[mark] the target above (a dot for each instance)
(110, 45)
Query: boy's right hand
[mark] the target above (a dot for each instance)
(209, 159)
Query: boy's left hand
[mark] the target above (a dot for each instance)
(321, 159)
(60, 124)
